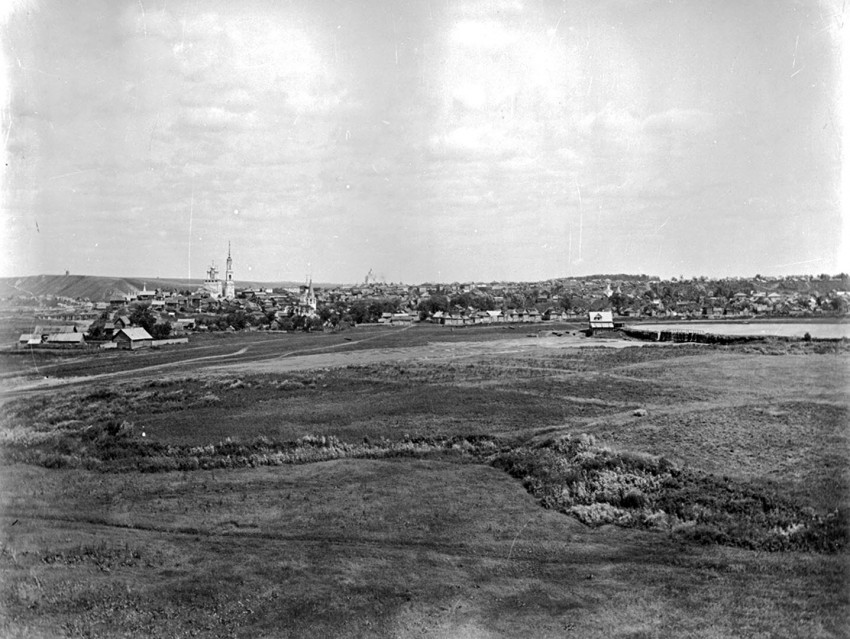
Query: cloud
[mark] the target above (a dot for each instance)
(481, 139)
(677, 120)
(478, 8)
(483, 34)
(215, 118)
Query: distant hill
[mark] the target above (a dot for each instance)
(100, 289)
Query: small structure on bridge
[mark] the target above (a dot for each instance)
(132, 338)
(600, 320)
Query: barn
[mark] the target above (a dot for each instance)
(65, 340)
(132, 338)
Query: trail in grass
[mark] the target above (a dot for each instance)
(146, 370)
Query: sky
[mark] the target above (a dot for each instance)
(424, 140)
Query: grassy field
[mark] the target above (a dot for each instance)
(460, 484)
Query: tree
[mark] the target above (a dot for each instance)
(161, 330)
(144, 317)
(617, 300)
(514, 299)
(237, 320)
(359, 312)
(432, 305)
(96, 330)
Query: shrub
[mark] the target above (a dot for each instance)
(601, 513)
(599, 486)
(633, 499)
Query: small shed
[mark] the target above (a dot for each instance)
(132, 338)
(600, 319)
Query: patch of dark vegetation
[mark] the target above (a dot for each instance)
(124, 401)
(349, 402)
(585, 359)
(103, 555)
(794, 346)
(600, 486)
(573, 475)
(118, 447)
(614, 389)
(798, 445)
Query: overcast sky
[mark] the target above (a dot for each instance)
(427, 140)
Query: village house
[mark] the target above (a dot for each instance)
(600, 320)
(132, 338)
(29, 339)
(401, 319)
(65, 340)
(495, 316)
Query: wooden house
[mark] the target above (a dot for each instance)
(132, 338)
(65, 340)
(601, 320)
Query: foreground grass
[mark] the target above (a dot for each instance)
(404, 500)
(349, 548)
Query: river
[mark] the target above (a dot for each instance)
(819, 330)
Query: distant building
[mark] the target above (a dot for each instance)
(29, 339)
(65, 339)
(132, 338)
(229, 284)
(307, 303)
(212, 285)
(145, 295)
(600, 319)
(403, 319)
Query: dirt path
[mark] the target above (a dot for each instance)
(433, 352)
(300, 356)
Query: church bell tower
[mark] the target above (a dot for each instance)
(229, 285)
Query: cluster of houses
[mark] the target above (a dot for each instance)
(455, 304)
(511, 315)
(126, 337)
(636, 299)
(117, 332)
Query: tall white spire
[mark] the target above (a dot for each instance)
(229, 284)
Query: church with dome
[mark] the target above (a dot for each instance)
(217, 288)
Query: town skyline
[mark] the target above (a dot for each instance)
(430, 142)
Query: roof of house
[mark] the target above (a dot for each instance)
(134, 333)
(28, 337)
(65, 338)
(53, 330)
